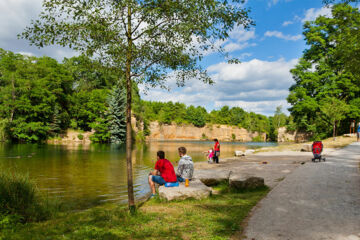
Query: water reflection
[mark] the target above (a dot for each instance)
(95, 173)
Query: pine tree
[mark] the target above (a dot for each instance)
(117, 115)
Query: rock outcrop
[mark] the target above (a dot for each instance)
(189, 132)
(196, 190)
(242, 182)
(212, 177)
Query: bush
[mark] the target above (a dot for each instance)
(19, 198)
(257, 139)
(80, 136)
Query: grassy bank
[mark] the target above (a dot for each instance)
(217, 217)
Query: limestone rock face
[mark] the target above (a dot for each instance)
(189, 132)
(195, 190)
(212, 177)
(245, 182)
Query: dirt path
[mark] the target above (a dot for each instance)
(315, 201)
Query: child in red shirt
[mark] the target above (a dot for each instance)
(164, 172)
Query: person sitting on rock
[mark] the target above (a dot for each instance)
(164, 172)
(185, 168)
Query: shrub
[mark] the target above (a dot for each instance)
(80, 136)
(233, 136)
(19, 198)
(257, 139)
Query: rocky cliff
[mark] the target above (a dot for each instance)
(295, 136)
(189, 132)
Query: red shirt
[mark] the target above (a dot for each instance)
(166, 170)
(217, 146)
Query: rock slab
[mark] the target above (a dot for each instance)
(196, 190)
(212, 177)
(243, 182)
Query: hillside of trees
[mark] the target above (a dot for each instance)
(41, 98)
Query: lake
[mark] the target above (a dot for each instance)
(93, 174)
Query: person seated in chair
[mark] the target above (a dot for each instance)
(164, 172)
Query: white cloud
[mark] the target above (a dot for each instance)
(256, 85)
(15, 15)
(274, 2)
(241, 35)
(312, 13)
(282, 36)
(287, 23)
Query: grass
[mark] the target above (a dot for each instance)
(217, 217)
(20, 200)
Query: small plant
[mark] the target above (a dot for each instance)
(257, 139)
(140, 137)
(204, 137)
(233, 136)
(80, 136)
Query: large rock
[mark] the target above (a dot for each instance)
(212, 177)
(245, 182)
(195, 190)
(306, 148)
(239, 153)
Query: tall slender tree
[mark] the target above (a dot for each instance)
(146, 39)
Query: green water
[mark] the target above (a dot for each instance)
(96, 173)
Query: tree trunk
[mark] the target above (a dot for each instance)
(334, 131)
(13, 98)
(131, 200)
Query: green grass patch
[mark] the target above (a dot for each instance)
(20, 198)
(217, 217)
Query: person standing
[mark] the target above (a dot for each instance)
(216, 151)
(358, 132)
(164, 172)
(185, 168)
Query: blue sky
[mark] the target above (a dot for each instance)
(267, 51)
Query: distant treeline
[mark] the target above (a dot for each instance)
(40, 98)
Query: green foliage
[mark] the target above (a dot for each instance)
(19, 198)
(102, 133)
(80, 136)
(87, 106)
(322, 75)
(117, 115)
(33, 96)
(257, 139)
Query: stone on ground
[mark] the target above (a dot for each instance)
(196, 190)
(306, 148)
(212, 177)
(243, 182)
(239, 153)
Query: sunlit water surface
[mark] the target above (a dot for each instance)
(93, 174)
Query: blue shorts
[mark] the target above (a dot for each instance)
(158, 179)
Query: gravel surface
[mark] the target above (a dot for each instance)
(315, 201)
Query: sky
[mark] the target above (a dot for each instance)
(258, 84)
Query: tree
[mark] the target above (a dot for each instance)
(334, 110)
(144, 39)
(117, 115)
(321, 73)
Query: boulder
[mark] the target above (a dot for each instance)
(212, 177)
(249, 151)
(196, 190)
(306, 148)
(239, 153)
(245, 182)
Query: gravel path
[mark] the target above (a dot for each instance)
(316, 201)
